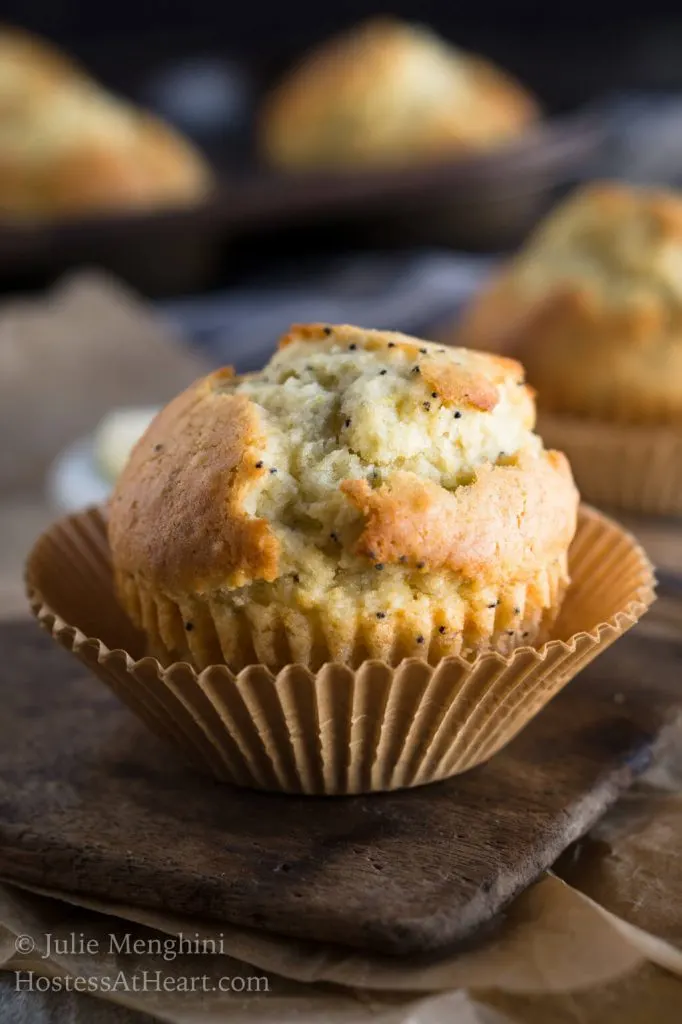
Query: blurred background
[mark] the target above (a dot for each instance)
(206, 67)
(105, 316)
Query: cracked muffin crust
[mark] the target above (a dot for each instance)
(366, 495)
(593, 306)
(387, 93)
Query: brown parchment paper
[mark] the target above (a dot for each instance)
(68, 357)
(599, 941)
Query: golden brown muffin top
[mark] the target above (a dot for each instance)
(386, 91)
(620, 243)
(352, 451)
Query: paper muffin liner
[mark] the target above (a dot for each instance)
(637, 468)
(339, 730)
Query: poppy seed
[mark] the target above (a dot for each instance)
(189, 626)
(382, 373)
(420, 565)
(347, 422)
(427, 405)
(381, 615)
(391, 344)
(259, 465)
(423, 351)
(441, 629)
(416, 369)
(379, 566)
(434, 394)
(158, 447)
(420, 639)
(327, 330)
(458, 415)
(352, 348)
(273, 470)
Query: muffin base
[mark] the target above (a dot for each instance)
(210, 631)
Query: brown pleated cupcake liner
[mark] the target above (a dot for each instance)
(338, 730)
(636, 468)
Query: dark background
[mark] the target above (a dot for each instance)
(568, 53)
(581, 57)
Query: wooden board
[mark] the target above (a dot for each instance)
(92, 804)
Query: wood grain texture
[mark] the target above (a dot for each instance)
(90, 803)
(33, 1007)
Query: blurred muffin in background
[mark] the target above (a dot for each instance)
(387, 93)
(29, 69)
(592, 305)
(68, 147)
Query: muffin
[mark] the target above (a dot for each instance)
(387, 93)
(29, 69)
(68, 147)
(593, 307)
(367, 495)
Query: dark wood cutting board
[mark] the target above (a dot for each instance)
(92, 804)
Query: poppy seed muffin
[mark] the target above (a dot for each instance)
(387, 93)
(592, 305)
(367, 495)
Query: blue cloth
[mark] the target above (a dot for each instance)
(411, 292)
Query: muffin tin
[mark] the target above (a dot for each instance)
(481, 202)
